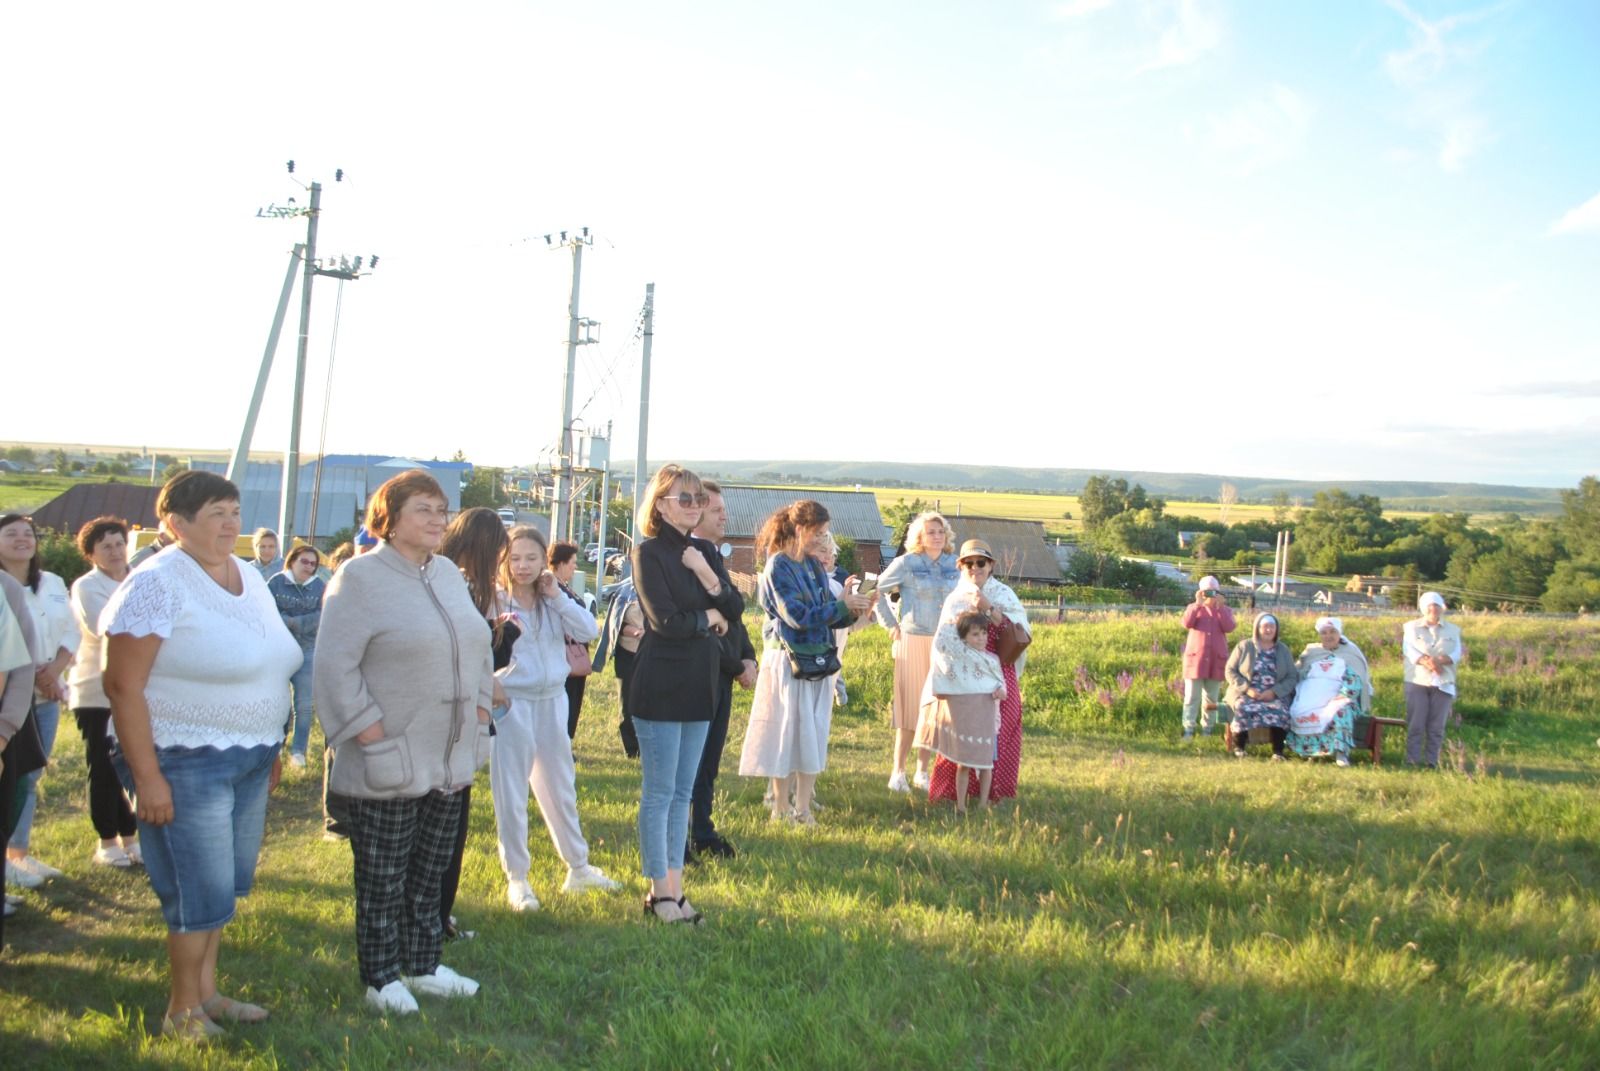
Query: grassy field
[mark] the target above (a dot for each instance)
(1144, 904)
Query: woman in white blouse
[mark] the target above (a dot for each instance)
(104, 543)
(57, 635)
(198, 662)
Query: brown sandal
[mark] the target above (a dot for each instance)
(235, 1011)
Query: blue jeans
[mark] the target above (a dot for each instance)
(300, 707)
(669, 758)
(47, 716)
(205, 858)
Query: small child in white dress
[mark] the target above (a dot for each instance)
(961, 707)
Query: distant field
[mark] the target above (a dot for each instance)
(23, 493)
(1051, 510)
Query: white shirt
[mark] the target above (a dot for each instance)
(221, 676)
(90, 593)
(53, 622)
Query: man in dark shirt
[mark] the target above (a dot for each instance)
(738, 664)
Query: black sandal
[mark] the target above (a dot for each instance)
(650, 903)
(694, 919)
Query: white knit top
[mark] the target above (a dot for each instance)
(221, 677)
(90, 593)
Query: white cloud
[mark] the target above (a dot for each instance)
(1189, 33)
(1585, 219)
(1263, 132)
(1431, 70)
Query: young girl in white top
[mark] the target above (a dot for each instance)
(531, 747)
(962, 722)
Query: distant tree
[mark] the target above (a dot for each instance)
(118, 468)
(847, 553)
(899, 517)
(173, 468)
(1574, 586)
(58, 459)
(22, 455)
(484, 488)
(1227, 495)
(1280, 507)
(1580, 521)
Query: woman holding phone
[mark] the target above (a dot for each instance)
(1205, 655)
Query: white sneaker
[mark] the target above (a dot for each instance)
(112, 856)
(44, 870)
(519, 894)
(588, 877)
(443, 982)
(297, 760)
(393, 998)
(897, 782)
(920, 779)
(1342, 760)
(19, 875)
(135, 853)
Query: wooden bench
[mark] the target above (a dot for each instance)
(1375, 728)
(1368, 736)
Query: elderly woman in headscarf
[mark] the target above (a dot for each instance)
(1335, 689)
(1261, 679)
(1431, 649)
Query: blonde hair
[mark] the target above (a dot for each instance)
(919, 522)
(649, 519)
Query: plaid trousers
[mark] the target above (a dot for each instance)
(401, 848)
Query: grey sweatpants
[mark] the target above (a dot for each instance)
(1427, 709)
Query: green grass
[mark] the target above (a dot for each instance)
(1145, 904)
(25, 492)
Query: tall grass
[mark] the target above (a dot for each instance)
(1143, 904)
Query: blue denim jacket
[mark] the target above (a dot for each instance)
(923, 586)
(799, 606)
(300, 606)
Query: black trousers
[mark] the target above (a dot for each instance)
(108, 804)
(335, 813)
(701, 828)
(574, 704)
(401, 848)
(450, 880)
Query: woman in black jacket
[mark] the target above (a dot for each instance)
(673, 689)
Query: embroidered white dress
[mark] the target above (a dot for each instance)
(221, 676)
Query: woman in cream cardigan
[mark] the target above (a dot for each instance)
(403, 683)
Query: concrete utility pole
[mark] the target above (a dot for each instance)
(561, 519)
(241, 456)
(639, 461)
(291, 465)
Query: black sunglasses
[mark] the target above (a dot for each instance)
(975, 563)
(689, 501)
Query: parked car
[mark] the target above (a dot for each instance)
(508, 516)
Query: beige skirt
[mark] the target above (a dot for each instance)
(961, 728)
(910, 674)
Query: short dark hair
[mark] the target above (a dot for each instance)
(967, 620)
(303, 548)
(562, 551)
(710, 487)
(191, 490)
(383, 510)
(92, 532)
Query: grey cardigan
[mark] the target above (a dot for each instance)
(18, 694)
(402, 645)
(1242, 661)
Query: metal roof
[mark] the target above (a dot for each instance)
(1020, 551)
(853, 513)
(83, 502)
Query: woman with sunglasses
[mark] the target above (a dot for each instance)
(687, 605)
(979, 590)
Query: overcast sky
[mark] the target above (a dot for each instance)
(1324, 241)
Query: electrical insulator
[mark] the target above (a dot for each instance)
(291, 167)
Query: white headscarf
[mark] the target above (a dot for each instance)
(1331, 622)
(1432, 597)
